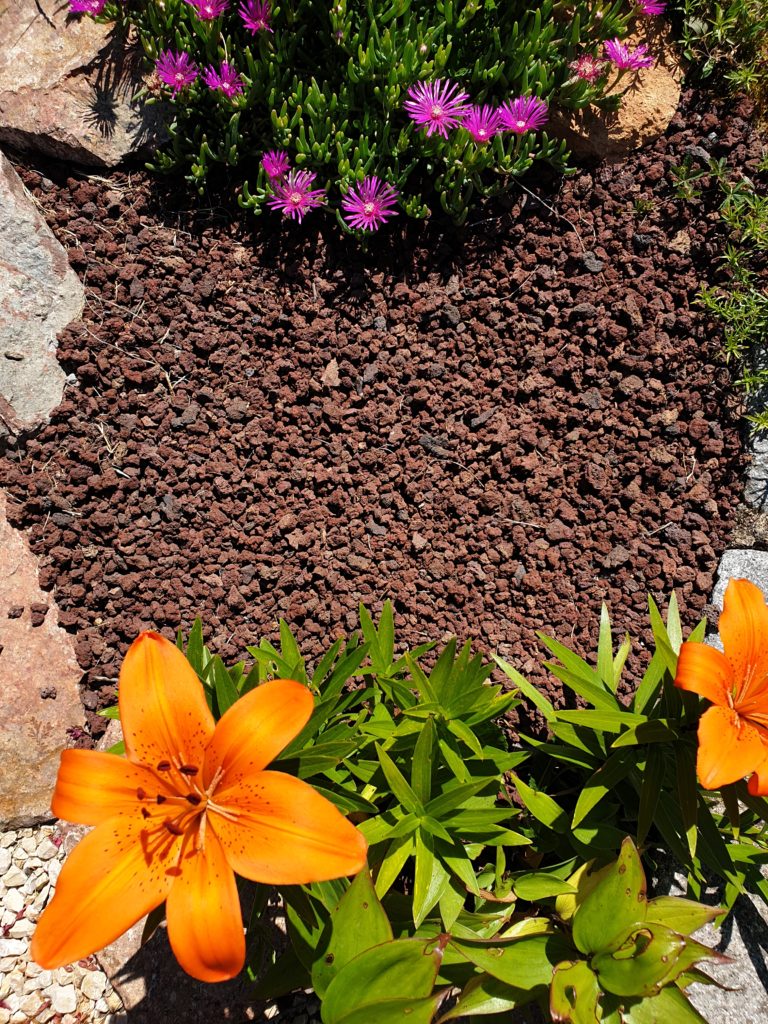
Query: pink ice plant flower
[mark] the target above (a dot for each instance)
(295, 196)
(209, 9)
(369, 204)
(255, 15)
(275, 164)
(626, 59)
(175, 69)
(588, 68)
(652, 7)
(524, 114)
(482, 123)
(93, 7)
(436, 106)
(226, 79)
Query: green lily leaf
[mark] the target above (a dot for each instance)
(574, 994)
(383, 981)
(616, 904)
(358, 922)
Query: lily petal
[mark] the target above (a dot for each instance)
(706, 671)
(257, 727)
(285, 832)
(92, 787)
(729, 748)
(744, 632)
(205, 924)
(162, 704)
(758, 783)
(113, 877)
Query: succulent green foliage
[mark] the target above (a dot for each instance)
(729, 39)
(328, 86)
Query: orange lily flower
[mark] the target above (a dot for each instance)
(733, 735)
(190, 805)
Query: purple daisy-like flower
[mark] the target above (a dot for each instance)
(255, 15)
(652, 7)
(93, 7)
(482, 123)
(226, 79)
(626, 59)
(437, 106)
(369, 204)
(176, 69)
(524, 114)
(276, 164)
(209, 9)
(587, 67)
(295, 196)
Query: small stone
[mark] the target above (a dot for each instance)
(379, 323)
(617, 556)
(7, 839)
(14, 901)
(419, 542)
(12, 947)
(14, 877)
(22, 929)
(46, 850)
(43, 1016)
(30, 1004)
(330, 376)
(5, 861)
(114, 1001)
(64, 998)
(93, 984)
(593, 264)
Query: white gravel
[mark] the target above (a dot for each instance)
(30, 861)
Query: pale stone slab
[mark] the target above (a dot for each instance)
(34, 659)
(67, 85)
(39, 295)
(741, 563)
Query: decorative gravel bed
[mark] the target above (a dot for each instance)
(497, 428)
(30, 861)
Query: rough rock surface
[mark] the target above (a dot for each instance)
(39, 295)
(531, 416)
(647, 107)
(66, 86)
(39, 695)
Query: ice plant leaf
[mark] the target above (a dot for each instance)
(189, 805)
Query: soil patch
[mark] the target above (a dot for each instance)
(497, 428)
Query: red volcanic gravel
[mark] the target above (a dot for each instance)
(498, 428)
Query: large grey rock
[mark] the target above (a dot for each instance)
(756, 486)
(67, 85)
(39, 692)
(741, 563)
(39, 295)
